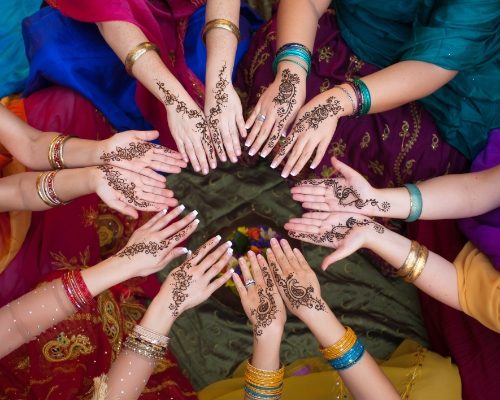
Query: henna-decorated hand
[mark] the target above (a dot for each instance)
(132, 150)
(312, 132)
(189, 128)
(127, 191)
(224, 115)
(279, 104)
(349, 193)
(296, 281)
(153, 245)
(344, 232)
(195, 279)
(261, 301)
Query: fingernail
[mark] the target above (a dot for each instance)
(164, 211)
(274, 241)
(273, 165)
(196, 221)
(263, 155)
(247, 144)
(182, 207)
(312, 166)
(205, 171)
(213, 165)
(251, 152)
(189, 253)
(184, 250)
(223, 158)
(238, 152)
(228, 243)
(293, 173)
(231, 270)
(284, 175)
(195, 213)
(218, 237)
(197, 169)
(230, 251)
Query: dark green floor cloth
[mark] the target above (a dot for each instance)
(211, 340)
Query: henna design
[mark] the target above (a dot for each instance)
(312, 119)
(133, 150)
(181, 108)
(297, 294)
(267, 309)
(285, 100)
(347, 195)
(115, 181)
(338, 232)
(221, 98)
(182, 281)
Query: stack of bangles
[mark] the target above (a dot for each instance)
(344, 353)
(137, 52)
(414, 263)
(415, 202)
(221, 23)
(46, 191)
(147, 343)
(294, 50)
(56, 159)
(76, 289)
(262, 384)
(363, 98)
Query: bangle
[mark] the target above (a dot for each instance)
(263, 384)
(76, 289)
(365, 95)
(136, 53)
(221, 24)
(46, 191)
(152, 336)
(296, 63)
(144, 348)
(341, 347)
(56, 159)
(410, 260)
(350, 358)
(301, 52)
(415, 202)
(419, 265)
(294, 46)
(354, 106)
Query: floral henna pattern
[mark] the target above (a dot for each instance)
(347, 195)
(296, 294)
(182, 280)
(127, 189)
(338, 232)
(221, 98)
(181, 108)
(311, 120)
(132, 151)
(285, 100)
(266, 312)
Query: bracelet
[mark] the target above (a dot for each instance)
(341, 347)
(143, 348)
(152, 336)
(410, 260)
(296, 63)
(419, 265)
(46, 191)
(365, 96)
(299, 52)
(415, 202)
(350, 358)
(136, 53)
(76, 289)
(263, 384)
(294, 46)
(354, 106)
(221, 24)
(56, 159)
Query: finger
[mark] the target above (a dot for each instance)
(228, 144)
(320, 153)
(304, 158)
(192, 156)
(308, 197)
(203, 250)
(301, 259)
(173, 254)
(216, 284)
(165, 219)
(216, 268)
(177, 226)
(264, 267)
(146, 180)
(245, 271)
(323, 216)
(236, 139)
(275, 268)
(153, 219)
(344, 169)
(316, 206)
(285, 147)
(150, 173)
(287, 249)
(121, 206)
(242, 290)
(263, 134)
(240, 123)
(272, 141)
(146, 135)
(294, 156)
(204, 152)
(256, 272)
(253, 116)
(280, 256)
(182, 149)
(303, 228)
(165, 164)
(163, 151)
(337, 255)
(295, 223)
(313, 238)
(218, 142)
(213, 257)
(162, 192)
(154, 198)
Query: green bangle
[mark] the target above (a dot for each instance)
(295, 62)
(415, 202)
(365, 94)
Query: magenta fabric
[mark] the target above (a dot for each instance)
(164, 23)
(484, 230)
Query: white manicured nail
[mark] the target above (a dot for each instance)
(196, 221)
(184, 251)
(164, 211)
(231, 270)
(230, 251)
(218, 237)
(229, 243)
(195, 213)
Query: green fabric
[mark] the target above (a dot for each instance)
(460, 35)
(213, 339)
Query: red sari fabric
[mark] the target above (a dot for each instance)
(164, 23)
(62, 362)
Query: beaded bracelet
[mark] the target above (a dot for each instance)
(56, 159)
(221, 23)
(136, 53)
(415, 202)
(354, 104)
(46, 190)
(76, 289)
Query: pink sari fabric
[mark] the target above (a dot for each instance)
(164, 23)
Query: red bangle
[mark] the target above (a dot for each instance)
(76, 289)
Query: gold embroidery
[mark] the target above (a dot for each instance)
(260, 57)
(62, 262)
(376, 167)
(409, 167)
(89, 217)
(435, 141)
(64, 348)
(405, 128)
(325, 53)
(365, 140)
(163, 365)
(409, 145)
(327, 171)
(338, 148)
(412, 375)
(95, 319)
(110, 231)
(355, 65)
(386, 132)
(325, 85)
(24, 363)
(110, 314)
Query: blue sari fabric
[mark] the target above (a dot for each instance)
(66, 52)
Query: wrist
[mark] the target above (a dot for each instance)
(93, 176)
(293, 68)
(158, 317)
(345, 103)
(326, 328)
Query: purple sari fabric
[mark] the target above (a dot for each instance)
(484, 230)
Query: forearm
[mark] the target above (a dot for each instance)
(19, 192)
(438, 278)
(266, 350)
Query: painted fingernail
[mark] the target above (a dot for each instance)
(284, 175)
(293, 173)
(223, 158)
(263, 154)
(231, 270)
(213, 165)
(195, 213)
(184, 251)
(274, 241)
(205, 171)
(164, 211)
(230, 251)
(251, 152)
(247, 144)
(189, 253)
(273, 165)
(218, 237)
(196, 221)
(182, 207)
(228, 243)
(312, 166)
(238, 152)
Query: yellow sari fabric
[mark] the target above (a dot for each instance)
(417, 374)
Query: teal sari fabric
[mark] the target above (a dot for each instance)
(13, 62)
(460, 35)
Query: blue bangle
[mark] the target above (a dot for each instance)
(259, 395)
(293, 52)
(294, 46)
(366, 103)
(350, 358)
(415, 202)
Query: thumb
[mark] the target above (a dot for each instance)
(146, 135)
(346, 171)
(174, 253)
(338, 254)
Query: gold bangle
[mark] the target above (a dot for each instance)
(341, 347)
(221, 24)
(40, 189)
(410, 260)
(56, 159)
(419, 265)
(136, 53)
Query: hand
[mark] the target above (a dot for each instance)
(132, 150)
(344, 232)
(193, 281)
(279, 105)
(312, 132)
(152, 246)
(189, 129)
(350, 193)
(296, 281)
(261, 301)
(127, 191)
(224, 116)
